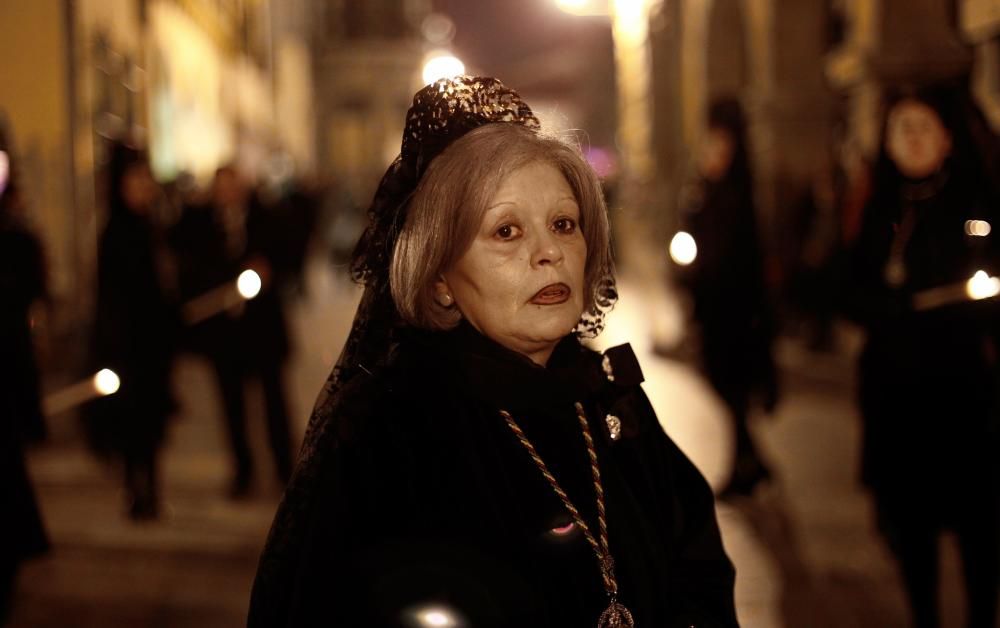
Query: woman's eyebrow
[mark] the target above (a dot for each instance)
(495, 205)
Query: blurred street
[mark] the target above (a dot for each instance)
(786, 182)
(804, 548)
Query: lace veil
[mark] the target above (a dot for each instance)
(441, 113)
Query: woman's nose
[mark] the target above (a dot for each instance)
(546, 249)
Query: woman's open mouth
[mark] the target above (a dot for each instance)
(552, 294)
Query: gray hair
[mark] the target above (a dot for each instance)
(447, 208)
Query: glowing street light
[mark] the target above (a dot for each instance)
(683, 248)
(441, 64)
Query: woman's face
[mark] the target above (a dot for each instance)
(138, 188)
(916, 139)
(521, 282)
(716, 154)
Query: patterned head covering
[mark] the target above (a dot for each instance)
(441, 113)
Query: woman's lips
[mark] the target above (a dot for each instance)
(552, 294)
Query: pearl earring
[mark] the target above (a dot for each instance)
(445, 299)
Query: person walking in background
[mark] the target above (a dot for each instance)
(22, 283)
(263, 326)
(927, 372)
(135, 331)
(214, 242)
(26, 285)
(726, 282)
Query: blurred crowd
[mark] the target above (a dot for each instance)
(902, 246)
(169, 257)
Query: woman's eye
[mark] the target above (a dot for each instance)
(564, 225)
(506, 232)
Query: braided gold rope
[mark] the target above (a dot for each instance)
(601, 549)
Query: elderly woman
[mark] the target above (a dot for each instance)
(470, 462)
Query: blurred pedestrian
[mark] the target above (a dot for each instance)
(273, 249)
(927, 389)
(810, 255)
(214, 242)
(135, 331)
(22, 283)
(727, 285)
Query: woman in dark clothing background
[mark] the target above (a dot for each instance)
(927, 371)
(135, 331)
(22, 283)
(727, 286)
(214, 242)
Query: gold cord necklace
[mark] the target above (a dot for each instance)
(615, 615)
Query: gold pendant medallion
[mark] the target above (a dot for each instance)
(616, 616)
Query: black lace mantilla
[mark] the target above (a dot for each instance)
(441, 113)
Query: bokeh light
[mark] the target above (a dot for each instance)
(683, 248)
(106, 382)
(979, 228)
(602, 161)
(583, 7)
(982, 286)
(4, 170)
(436, 616)
(441, 64)
(438, 28)
(248, 284)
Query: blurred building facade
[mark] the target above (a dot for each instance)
(201, 82)
(769, 55)
(894, 42)
(811, 75)
(369, 57)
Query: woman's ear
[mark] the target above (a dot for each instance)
(442, 293)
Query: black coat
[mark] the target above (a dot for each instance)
(257, 334)
(21, 282)
(927, 378)
(135, 335)
(425, 496)
(728, 289)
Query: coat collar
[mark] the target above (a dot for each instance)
(489, 372)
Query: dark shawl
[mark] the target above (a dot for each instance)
(424, 495)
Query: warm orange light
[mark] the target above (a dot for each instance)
(583, 7)
(683, 248)
(979, 228)
(441, 64)
(248, 284)
(106, 382)
(982, 286)
(436, 616)
(103, 383)
(4, 170)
